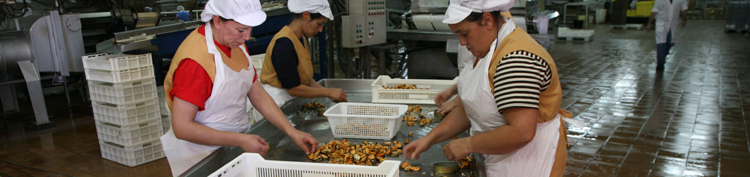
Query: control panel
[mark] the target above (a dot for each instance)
(366, 7)
(354, 31)
(365, 25)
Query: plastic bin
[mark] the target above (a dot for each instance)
(120, 75)
(365, 120)
(601, 15)
(116, 62)
(126, 114)
(124, 92)
(130, 135)
(132, 155)
(428, 90)
(253, 165)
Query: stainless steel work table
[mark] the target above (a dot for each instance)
(357, 90)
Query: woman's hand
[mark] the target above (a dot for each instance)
(304, 140)
(337, 95)
(448, 106)
(413, 149)
(253, 143)
(457, 149)
(442, 97)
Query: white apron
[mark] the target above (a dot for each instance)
(668, 18)
(534, 159)
(225, 111)
(279, 95)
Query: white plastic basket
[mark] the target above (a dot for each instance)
(132, 155)
(429, 89)
(126, 114)
(121, 75)
(116, 62)
(365, 120)
(129, 135)
(253, 165)
(123, 92)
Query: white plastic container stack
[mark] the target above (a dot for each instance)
(124, 101)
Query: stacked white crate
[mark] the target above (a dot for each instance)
(124, 101)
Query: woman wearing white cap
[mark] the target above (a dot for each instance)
(464, 58)
(510, 97)
(287, 69)
(208, 83)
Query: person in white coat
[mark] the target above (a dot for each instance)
(510, 97)
(208, 82)
(670, 15)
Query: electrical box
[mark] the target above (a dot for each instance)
(365, 25)
(353, 32)
(366, 7)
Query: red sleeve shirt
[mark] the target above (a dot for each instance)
(192, 83)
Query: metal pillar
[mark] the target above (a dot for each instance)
(31, 75)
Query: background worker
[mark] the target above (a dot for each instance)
(670, 15)
(287, 69)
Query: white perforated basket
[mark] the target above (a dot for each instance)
(126, 114)
(253, 165)
(132, 155)
(116, 62)
(365, 120)
(120, 75)
(124, 92)
(428, 89)
(130, 135)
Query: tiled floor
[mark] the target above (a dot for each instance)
(689, 119)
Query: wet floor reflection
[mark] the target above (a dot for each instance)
(688, 119)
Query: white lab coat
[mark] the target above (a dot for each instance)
(225, 111)
(668, 18)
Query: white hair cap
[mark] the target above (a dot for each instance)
(246, 12)
(458, 10)
(312, 6)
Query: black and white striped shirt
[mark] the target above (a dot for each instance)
(519, 79)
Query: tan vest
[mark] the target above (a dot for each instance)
(304, 66)
(549, 100)
(194, 47)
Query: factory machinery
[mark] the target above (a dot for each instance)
(42, 41)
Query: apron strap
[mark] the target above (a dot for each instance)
(566, 117)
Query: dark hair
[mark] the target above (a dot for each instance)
(313, 16)
(477, 16)
(222, 19)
